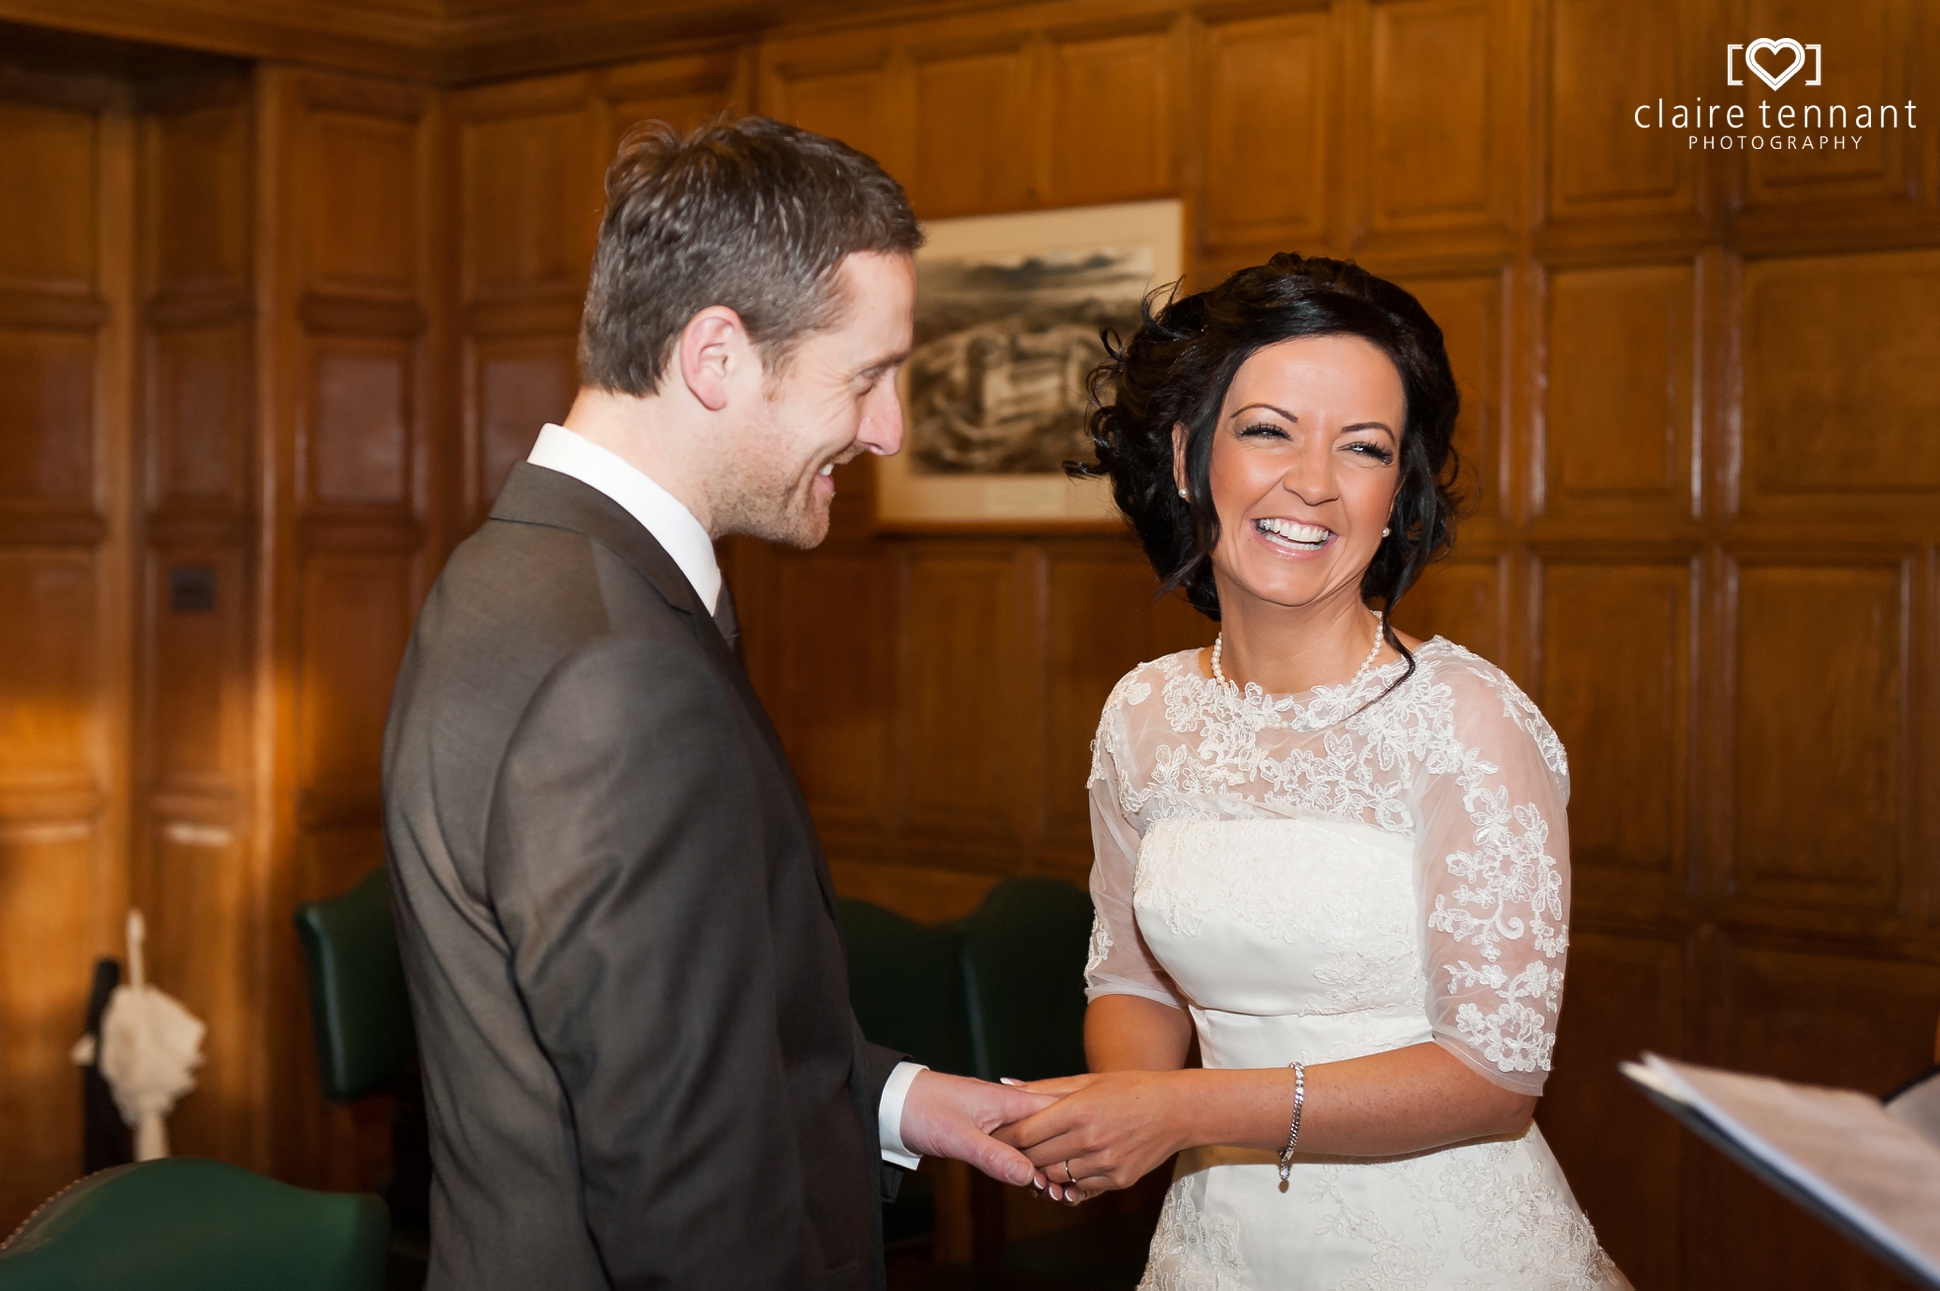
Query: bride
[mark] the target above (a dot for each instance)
(1333, 856)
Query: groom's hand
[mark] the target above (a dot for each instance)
(953, 1116)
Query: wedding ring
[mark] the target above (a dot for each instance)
(1068, 1178)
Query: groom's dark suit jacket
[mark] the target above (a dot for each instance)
(640, 1064)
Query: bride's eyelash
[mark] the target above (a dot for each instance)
(1261, 428)
(1385, 456)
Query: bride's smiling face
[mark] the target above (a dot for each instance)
(1304, 468)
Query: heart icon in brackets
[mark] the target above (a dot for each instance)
(1775, 79)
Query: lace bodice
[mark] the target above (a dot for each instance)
(1457, 765)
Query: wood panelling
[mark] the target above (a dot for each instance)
(359, 429)
(958, 754)
(1469, 311)
(353, 329)
(1620, 434)
(1464, 600)
(972, 107)
(46, 890)
(1697, 416)
(50, 206)
(830, 690)
(49, 378)
(1433, 84)
(66, 246)
(1607, 57)
(1267, 128)
(356, 616)
(1825, 1019)
(1821, 731)
(1866, 41)
(1625, 995)
(1837, 397)
(197, 867)
(1616, 684)
(198, 416)
(48, 677)
(1111, 117)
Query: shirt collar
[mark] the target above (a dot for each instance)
(672, 525)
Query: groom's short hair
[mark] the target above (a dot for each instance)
(751, 214)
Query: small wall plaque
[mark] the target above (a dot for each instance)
(192, 589)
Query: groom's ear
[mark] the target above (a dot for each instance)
(709, 353)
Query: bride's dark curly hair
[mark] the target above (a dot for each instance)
(1176, 368)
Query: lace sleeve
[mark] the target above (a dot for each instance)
(1120, 962)
(1493, 853)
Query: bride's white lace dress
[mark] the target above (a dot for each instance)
(1317, 880)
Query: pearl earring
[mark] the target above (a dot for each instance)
(1183, 493)
(1386, 532)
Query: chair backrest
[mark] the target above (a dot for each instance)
(359, 1008)
(184, 1224)
(906, 986)
(1023, 957)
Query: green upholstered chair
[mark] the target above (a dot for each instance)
(359, 1009)
(1023, 955)
(906, 987)
(184, 1224)
(360, 1013)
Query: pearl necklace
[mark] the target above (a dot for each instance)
(1219, 642)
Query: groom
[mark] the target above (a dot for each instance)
(640, 1064)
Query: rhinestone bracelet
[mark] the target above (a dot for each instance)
(1293, 1131)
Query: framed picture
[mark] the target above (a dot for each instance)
(1008, 312)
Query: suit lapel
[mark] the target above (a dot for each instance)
(535, 495)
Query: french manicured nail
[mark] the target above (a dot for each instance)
(1009, 1080)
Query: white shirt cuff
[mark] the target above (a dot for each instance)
(889, 1115)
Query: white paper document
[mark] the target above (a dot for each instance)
(1873, 1173)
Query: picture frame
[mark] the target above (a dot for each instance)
(1008, 311)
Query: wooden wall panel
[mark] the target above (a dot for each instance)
(199, 425)
(51, 209)
(1867, 40)
(1607, 57)
(1821, 731)
(353, 332)
(359, 429)
(1112, 107)
(1469, 311)
(1620, 433)
(1434, 87)
(65, 251)
(195, 860)
(1625, 995)
(958, 749)
(45, 873)
(48, 677)
(836, 89)
(1616, 684)
(516, 385)
(1837, 399)
(830, 692)
(1825, 1019)
(1463, 600)
(972, 110)
(1267, 128)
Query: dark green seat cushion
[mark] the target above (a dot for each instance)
(906, 986)
(185, 1224)
(359, 1008)
(1024, 956)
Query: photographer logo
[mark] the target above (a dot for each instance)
(1762, 45)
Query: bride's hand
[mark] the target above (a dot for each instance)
(1107, 1130)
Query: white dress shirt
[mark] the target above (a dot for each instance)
(681, 536)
